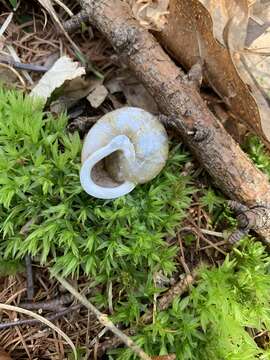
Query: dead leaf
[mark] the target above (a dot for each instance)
(97, 96)
(215, 34)
(135, 93)
(4, 355)
(63, 69)
(258, 59)
(223, 13)
(261, 11)
(152, 14)
(138, 96)
(73, 91)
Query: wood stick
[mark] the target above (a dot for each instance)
(29, 277)
(55, 304)
(104, 319)
(230, 168)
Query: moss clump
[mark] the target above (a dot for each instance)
(219, 318)
(122, 242)
(39, 177)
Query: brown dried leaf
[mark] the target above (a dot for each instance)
(152, 14)
(135, 93)
(4, 355)
(223, 13)
(71, 92)
(97, 96)
(215, 33)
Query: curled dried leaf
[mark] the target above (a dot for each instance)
(64, 69)
(152, 14)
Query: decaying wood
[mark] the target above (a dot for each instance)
(230, 168)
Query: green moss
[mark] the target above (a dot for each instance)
(215, 321)
(122, 243)
(39, 177)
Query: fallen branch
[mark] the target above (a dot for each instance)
(178, 98)
(104, 320)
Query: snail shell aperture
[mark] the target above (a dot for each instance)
(126, 147)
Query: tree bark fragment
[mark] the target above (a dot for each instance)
(230, 168)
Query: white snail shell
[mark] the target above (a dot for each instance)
(126, 147)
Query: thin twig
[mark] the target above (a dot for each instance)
(212, 233)
(200, 234)
(31, 322)
(104, 319)
(16, 59)
(21, 66)
(56, 304)
(76, 22)
(29, 277)
(166, 300)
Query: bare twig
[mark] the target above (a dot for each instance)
(104, 320)
(21, 66)
(29, 277)
(31, 322)
(76, 22)
(165, 301)
(56, 304)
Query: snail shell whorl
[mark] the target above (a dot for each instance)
(126, 147)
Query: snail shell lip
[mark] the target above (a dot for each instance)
(133, 147)
(120, 142)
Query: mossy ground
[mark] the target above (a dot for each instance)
(123, 242)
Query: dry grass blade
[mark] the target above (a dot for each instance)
(67, 10)
(47, 4)
(14, 72)
(6, 24)
(42, 320)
